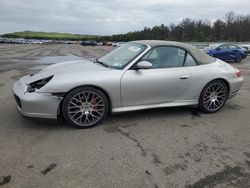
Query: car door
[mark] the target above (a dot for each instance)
(166, 81)
(234, 52)
(222, 52)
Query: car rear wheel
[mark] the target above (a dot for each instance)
(213, 96)
(85, 107)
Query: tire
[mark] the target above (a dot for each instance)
(238, 59)
(213, 96)
(85, 107)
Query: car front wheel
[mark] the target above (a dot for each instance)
(85, 107)
(213, 96)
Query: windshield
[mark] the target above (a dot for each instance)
(123, 55)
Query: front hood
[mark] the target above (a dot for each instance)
(67, 67)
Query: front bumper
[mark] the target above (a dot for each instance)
(35, 104)
(245, 55)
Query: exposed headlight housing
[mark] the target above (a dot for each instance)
(38, 84)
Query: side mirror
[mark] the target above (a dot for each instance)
(218, 49)
(143, 65)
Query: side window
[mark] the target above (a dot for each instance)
(165, 57)
(151, 56)
(189, 61)
(225, 46)
(232, 46)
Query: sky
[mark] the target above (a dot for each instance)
(107, 17)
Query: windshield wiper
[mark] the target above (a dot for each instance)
(100, 63)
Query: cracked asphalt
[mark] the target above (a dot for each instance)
(169, 147)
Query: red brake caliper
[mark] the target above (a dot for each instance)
(94, 104)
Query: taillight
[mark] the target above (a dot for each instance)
(238, 74)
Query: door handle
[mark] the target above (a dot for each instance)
(184, 77)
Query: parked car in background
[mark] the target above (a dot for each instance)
(118, 44)
(138, 75)
(247, 47)
(88, 43)
(228, 52)
(83, 43)
(109, 44)
(99, 44)
(104, 43)
(68, 42)
(23, 41)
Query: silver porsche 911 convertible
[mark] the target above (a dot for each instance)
(138, 75)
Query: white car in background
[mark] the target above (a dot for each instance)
(247, 47)
(118, 44)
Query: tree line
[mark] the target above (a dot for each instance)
(233, 27)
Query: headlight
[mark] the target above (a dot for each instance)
(38, 84)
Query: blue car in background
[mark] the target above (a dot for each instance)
(228, 52)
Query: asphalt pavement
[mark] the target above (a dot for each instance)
(169, 147)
